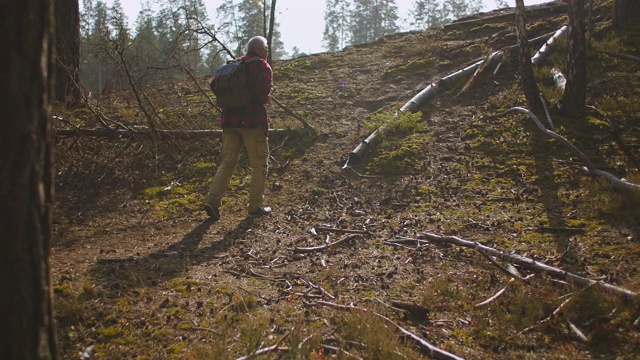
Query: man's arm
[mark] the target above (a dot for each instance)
(264, 81)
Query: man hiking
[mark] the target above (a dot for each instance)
(247, 126)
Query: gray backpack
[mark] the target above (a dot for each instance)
(230, 84)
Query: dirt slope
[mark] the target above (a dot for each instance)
(141, 273)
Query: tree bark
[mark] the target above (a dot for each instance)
(575, 94)
(624, 10)
(67, 49)
(524, 55)
(272, 21)
(27, 330)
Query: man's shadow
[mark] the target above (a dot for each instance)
(117, 276)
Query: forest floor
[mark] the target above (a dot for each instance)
(139, 271)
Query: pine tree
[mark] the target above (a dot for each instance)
(245, 20)
(95, 66)
(456, 9)
(371, 19)
(336, 19)
(425, 14)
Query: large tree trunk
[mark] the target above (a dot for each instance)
(67, 62)
(575, 94)
(529, 85)
(27, 330)
(624, 10)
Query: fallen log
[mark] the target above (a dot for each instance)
(545, 50)
(430, 91)
(530, 264)
(414, 104)
(173, 134)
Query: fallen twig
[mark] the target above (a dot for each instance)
(578, 332)
(550, 317)
(271, 348)
(400, 240)
(433, 350)
(303, 250)
(509, 271)
(337, 349)
(204, 329)
(346, 231)
(328, 294)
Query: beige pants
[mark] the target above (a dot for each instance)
(257, 145)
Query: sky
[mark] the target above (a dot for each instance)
(301, 21)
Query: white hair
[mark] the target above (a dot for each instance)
(257, 43)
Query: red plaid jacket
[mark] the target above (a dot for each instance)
(260, 78)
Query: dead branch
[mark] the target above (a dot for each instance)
(171, 134)
(496, 295)
(588, 168)
(558, 309)
(314, 286)
(345, 231)
(340, 350)
(578, 332)
(530, 264)
(425, 345)
(204, 329)
(547, 113)
(621, 56)
(510, 271)
(290, 112)
(476, 75)
(274, 347)
(400, 240)
(304, 250)
(550, 317)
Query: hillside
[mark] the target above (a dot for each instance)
(140, 272)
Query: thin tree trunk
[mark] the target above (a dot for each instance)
(67, 62)
(524, 55)
(624, 10)
(272, 21)
(575, 94)
(27, 330)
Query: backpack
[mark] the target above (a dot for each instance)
(230, 84)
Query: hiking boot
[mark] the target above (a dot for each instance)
(212, 211)
(260, 211)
